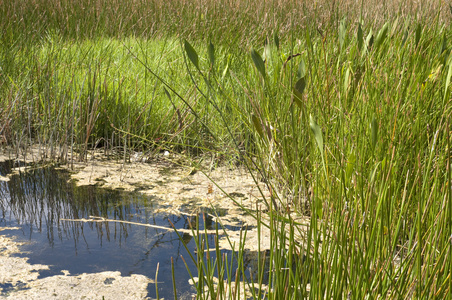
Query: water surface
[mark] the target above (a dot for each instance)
(40, 200)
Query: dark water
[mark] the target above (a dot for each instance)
(36, 201)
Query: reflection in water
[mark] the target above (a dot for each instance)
(38, 200)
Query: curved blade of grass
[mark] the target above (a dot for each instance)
(156, 282)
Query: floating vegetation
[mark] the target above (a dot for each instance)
(339, 114)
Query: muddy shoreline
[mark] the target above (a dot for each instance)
(19, 280)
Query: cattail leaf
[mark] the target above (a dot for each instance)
(211, 53)
(258, 62)
(315, 128)
(191, 53)
(360, 37)
(257, 125)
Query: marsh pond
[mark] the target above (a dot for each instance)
(105, 229)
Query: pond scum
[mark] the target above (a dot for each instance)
(342, 108)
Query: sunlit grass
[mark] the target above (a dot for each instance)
(342, 108)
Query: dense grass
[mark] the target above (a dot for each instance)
(343, 108)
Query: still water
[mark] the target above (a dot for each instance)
(39, 199)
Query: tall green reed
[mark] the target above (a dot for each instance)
(343, 115)
(378, 173)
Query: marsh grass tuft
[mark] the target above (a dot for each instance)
(244, 80)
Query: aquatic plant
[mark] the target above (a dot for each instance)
(342, 110)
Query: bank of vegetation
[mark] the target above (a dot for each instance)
(342, 107)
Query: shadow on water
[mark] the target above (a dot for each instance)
(40, 200)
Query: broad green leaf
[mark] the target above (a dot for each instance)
(267, 52)
(257, 125)
(276, 40)
(191, 53)
(350, 166)
(369, 40)
(319, 209)
(298, 90)
(258, 62)
(301, 72)
(381, 36)
(405, 37)
(360, 37)
(211, 52)
(317, 133)
(418, 34)
(300, 85)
